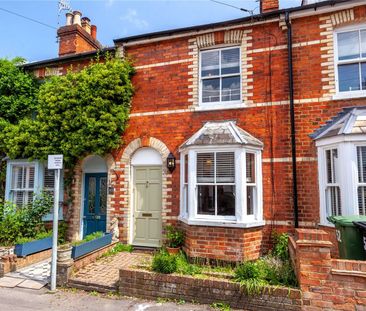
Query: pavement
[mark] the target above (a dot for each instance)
(20, 299)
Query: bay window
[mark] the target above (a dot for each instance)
(361, 184)
(332, 189)
(221, 186)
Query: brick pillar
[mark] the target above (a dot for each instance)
(311, 249)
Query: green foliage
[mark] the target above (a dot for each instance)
(118, 249)
(24, 222)
(88, 238)
(280, 248)
(39, 236)
(81, 113)
(184, 267)
(164, 263)
(18, 91)
(251, 276)
(62, 232)
(175, 237)
(221, 306)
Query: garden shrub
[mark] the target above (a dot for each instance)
(175, 237)
(164, 263)
(39, 236)
(184, 267)
(23, 222)
(280, 248)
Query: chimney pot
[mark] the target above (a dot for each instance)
(77, 18)
(69, 18)
(85, 23)
(94, 32)
(269, 5)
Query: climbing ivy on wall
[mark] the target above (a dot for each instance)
(84, 112)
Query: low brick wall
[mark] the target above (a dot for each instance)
(326, 283)
(11, 263)
(149, 285)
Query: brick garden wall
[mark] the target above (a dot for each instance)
(149, 285)
(326, 283)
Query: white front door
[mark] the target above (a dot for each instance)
(147, 189)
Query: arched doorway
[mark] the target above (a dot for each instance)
(146, 198)
(95, 191)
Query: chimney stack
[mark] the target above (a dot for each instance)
(85, 23)
(269, 5)
(77, 36)
(94, 32)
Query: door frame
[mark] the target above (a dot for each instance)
(132, 201)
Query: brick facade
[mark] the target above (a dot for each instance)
(166, 112)
(326, 283)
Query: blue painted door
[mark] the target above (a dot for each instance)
(95, 203)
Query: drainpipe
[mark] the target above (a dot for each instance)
(292, 118)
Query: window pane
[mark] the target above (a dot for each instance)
(333, 195)
(49, 179)
(91, 195)
(331, 160)
(348, 45)
(205, 168)
(206, 200)
(361, 191)
(225, 167)
(210, 90)
(103, 195)
(230, 61)
(361, 164)
(250, 199)
(363, 75)
(226, 200)
(17, 177)
(230, 88)
(349, 77)
(250, 169)
(210, 64)
(363, 43)
(186, 169)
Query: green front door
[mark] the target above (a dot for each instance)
(147, 228)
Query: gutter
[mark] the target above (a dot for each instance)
(292, 118)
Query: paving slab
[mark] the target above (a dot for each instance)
(32, 284)
(11, 282)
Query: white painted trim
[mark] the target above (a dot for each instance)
(339, 139)
(227, 224)
(207, 106)
(351, 94)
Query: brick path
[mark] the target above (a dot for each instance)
(104, 273)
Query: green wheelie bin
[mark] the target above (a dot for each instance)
(350, 238)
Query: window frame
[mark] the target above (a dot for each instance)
(39, 172)
(220, 76)
(241, 218)
(337, 63)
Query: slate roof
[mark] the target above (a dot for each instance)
(351, 120)
(221, 133)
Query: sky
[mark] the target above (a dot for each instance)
(114, 19)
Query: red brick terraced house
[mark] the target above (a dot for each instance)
(264, 115)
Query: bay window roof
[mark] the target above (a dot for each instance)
(351, 120)
(221, 133)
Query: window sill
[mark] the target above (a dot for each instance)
(219, 106)
(327, 224)
(349, 95)
(222, 223)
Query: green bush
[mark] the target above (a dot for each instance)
(280, 248)
(251, 276)
(23, 222)
(175, 237)
(88, 238)
(186, 268)
(164, 263)
(62, 232)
